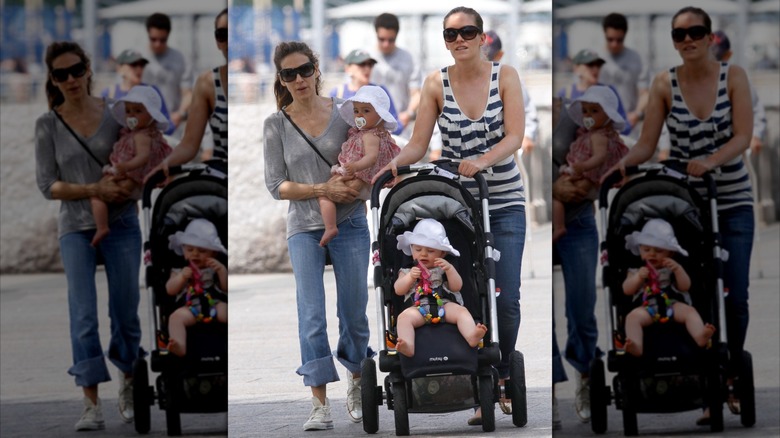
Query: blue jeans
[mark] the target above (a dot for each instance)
(508, 228)
(349, 252)
(122, 252)
(737, 228)
(578, 252)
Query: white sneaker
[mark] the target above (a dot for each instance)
(556, 416)
(126, 398)
(319, 419)
(92, 418)
(354, 400)
(582, 398)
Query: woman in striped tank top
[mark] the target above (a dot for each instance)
(707, 108)
(208, 107)
(478, 105)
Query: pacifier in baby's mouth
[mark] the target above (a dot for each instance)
(588, 122)
(360, 122)
(131, 122)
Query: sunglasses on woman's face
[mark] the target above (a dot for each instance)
(221, 34)
(696, 33)
(290, 74)
(467, 32)
(76, 70)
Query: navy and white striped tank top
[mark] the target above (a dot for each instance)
(466, 139)
(693, 138)
(219, 119)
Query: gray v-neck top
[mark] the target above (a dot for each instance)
(288, 157)
(60, 157)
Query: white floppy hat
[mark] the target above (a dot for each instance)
(377, 97)
(200, 233)
(657, 233)
(427, 232)
(150, 99)
(606, 98)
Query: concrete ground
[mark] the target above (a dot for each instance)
(761, 342)
(267, 398)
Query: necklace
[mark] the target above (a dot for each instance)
(653, 290)
(195, 289)
(424, 289)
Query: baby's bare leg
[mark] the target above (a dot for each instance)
(559, 220)
(408, 320)
(456, 314)
(328, 211)
(100, 213)
(700, 332)
(180, 319)
(636, 321)
(222, 309)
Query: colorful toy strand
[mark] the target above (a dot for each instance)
(424, 289)
(195, 289)
(653, 290)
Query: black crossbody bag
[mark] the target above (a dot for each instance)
(328, 260)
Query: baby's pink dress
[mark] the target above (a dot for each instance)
(580, 151)
(352, 151)
(124, 150)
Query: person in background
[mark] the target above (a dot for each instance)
(358, 64)
(396, 69)
(587, 68)
(130, 66)
(167, 68)
(623, 69)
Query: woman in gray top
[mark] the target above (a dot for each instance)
(297, 171)
(69, 168)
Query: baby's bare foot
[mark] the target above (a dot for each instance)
(176, 348)
(632, 348)
(404, 348)
(706, 334)
(477, 335)
(328, 235)
(99, 235)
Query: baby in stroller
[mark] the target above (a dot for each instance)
(199, 287)
(434, 285)
(662, 284)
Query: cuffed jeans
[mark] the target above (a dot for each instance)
(578, 252)
(122, 252)
(508, 228)
(349, 252)
(737, 227)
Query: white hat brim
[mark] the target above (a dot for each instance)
(180, 238)
(637, 238)
(575, 110)
(118, 111)
(346, 112)
(409, 238)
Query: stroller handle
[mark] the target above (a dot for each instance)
(677, 168)
(159, 177)
(448, 166)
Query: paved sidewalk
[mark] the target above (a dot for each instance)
(761, 341)
(267, 398)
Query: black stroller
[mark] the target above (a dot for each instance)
(196, 383)
(673, 374)
(446, 375)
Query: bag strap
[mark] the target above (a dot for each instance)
(89, 151)
(306, 138)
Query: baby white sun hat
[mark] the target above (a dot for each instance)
(606, 98)
(427, 232)
(200, 233)
(377, 97)
(657, 233)
(150, 99)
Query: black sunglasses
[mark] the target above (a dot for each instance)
(221, 34)
(696, 33)
(290, 74)
(76, 70)
(467, 32)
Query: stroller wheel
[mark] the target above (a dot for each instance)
(715, 401)
(746, 391)
(142, 396)
(401, 409)
(599, 397)
(486, 402)
(518, 389)
(172, 417)
(368, 392)
(630, 386)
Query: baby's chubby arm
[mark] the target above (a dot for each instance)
(177, 281)
(221, 271)
(681, 279)
(454, 280)
(635, 280)
(143, 148)
(370, 154)
(598, 146)
(405, 280)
